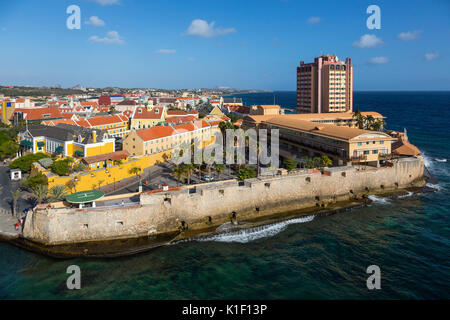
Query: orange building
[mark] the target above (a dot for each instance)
(326, 85)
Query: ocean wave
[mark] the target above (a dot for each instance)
(251, 234)
(434, 186)
(409, 194)
(437, 166)
(379, 200)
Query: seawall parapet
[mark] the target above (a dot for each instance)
(208, 206)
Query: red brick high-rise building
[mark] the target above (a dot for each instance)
(325, 85)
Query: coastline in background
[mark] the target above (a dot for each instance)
(409, 238)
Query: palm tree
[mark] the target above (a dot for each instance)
(219, 169)
(369, 120)
(135, 170)
(58, 192)
(187, 170)
(100, 182)
(359, 118)
(317, 162)
(40, 192)
(178, 172)
(15, 195)
(258, 151)
(72, 184)
(325, 161)
(378, 125)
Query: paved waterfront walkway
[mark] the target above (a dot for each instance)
(7, 225)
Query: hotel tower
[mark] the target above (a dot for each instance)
(325, 85)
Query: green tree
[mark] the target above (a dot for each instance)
(57, 193)
(24, 163)
(40, 192)
(8, 149)
(325, 161)
(219, 169)
(80, 166)
(72, 184)
(178, 172)
(61, 168)
(35, 180)
(188, 169)
(15, 197)
(246, 173)
(135, 170)
(368, 122)
(290, 164)
(359, 118)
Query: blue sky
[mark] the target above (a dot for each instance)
(249, 44)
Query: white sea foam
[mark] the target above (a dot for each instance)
(440, 160)
(251, 234)
(409, 194)
(434, 186)
(379, 200)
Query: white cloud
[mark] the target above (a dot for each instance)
(368, 41)
(112, 37)
(166, 51)
(202, 28)
(313, 20)
(95, 21)
(431, 56)
(107, 2)
(409, 35)
(379, 60)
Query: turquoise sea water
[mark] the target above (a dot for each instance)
(315, 258)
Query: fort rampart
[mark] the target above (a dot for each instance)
(205, 206)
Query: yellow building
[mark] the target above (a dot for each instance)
(65, 140)
(265, 110)
(165, 138)
(113, 125)
(342, 144)
(147, 117)
(7, 110)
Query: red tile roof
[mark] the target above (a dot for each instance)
(176, 113)
(113, 156)
(105, 120)
(89, 103)
(180, 120)
(127, 103)
(143, 113)
(155, 133)
(39, 113)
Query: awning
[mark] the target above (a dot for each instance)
(26, 143)
(79, 153)
(41, 144)
(59, 149)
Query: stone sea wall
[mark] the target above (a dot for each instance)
(206, 206)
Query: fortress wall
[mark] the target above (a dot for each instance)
(164, 212)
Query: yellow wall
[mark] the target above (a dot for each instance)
(96, 150)
(90, 180)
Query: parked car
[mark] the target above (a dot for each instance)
(207, 178)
